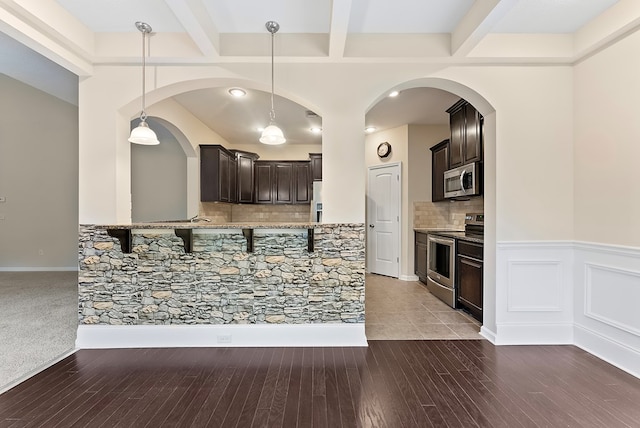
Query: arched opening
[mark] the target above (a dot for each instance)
(204, 112)
(413, 138)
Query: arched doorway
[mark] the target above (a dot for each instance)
(456, 91)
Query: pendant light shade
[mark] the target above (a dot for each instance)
(272, 134)
(142, 134)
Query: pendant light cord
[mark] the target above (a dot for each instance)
(143, 114)
(273, 111)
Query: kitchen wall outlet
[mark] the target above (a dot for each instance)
(3, 199)
(224, 338)
(41, 252)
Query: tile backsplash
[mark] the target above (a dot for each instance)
(220, 212)
(446, 214)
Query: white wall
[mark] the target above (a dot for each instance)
(158, 179)
(38, 178)
(607, 201)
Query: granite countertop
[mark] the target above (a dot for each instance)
(207, 225)
(452, 233)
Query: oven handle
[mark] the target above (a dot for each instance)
(444, 241)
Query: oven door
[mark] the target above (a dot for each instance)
(441, 253)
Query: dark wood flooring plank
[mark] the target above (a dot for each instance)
(250, 407)
(388, 384)
(276, 412)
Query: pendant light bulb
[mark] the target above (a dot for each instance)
(142, 134)
(272, 134)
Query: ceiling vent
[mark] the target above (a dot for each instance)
(309, 113)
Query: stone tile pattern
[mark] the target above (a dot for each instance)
(445, 214)
(219, 282)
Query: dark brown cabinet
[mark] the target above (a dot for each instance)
(217, 174)
(420, 256)
(465, 144)
(286, 182)
(316, 166)
(245, 176)
(469, 277)
(439, 164)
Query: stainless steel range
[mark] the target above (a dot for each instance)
(442, 255)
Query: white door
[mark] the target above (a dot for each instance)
(383, 220)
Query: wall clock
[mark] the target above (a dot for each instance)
(384, 150)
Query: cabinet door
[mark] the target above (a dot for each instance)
(316, 166)
(420, 256)
(233, 180)
(224, 182)
(457, 122)
(263, 179)
(245, 179)
(302, 182)
(282, 183)
(472, 148)
(439, 164)
(470, 284)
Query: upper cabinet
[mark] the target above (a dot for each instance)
(439, 164)
(245, 175)
(465, 145)
(217, 174)
(283, 182)
(316, 166)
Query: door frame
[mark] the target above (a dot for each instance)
(398, 230)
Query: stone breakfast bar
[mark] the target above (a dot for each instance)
(200, 284)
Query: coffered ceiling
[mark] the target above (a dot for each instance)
(78, 34)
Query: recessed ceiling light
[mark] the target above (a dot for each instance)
(394, 93)
(370, 129)
(237, 92)
(316, 130)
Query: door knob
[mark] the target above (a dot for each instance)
(371, 225)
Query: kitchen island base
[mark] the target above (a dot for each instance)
(159, 292)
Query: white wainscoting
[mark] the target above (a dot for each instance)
(606, 303)
(534, 293)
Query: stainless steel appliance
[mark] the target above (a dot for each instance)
(463, 181)
(316, 202)
(441, 254)
(442, 249)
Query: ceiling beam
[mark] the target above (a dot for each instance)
(477, 23)
(187, 12)
(340, 13)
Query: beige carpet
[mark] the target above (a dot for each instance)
(38, 321)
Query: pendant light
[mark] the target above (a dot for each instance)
(143, 134)
(272, 134)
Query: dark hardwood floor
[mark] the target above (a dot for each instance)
(462, 383)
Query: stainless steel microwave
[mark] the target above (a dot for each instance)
(463, 181)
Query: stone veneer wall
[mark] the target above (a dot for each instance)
(220, 283)
(445, 214)
(220, 212)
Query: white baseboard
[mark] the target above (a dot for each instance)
(408, 278)
(39, 269)
(609, 350)
(534, 334)
(488, 334)
(227, 335)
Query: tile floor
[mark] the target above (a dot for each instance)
(405, 310)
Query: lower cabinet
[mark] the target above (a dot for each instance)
(469, 277)
(420, 256)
